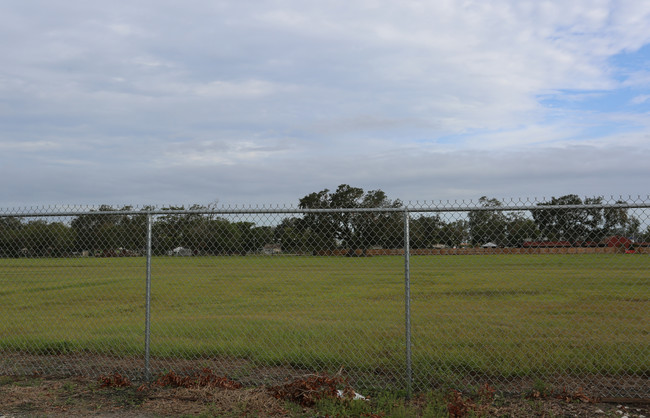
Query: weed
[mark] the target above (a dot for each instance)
(540, 390)
(459, 406)
(27, 407)
(69, 387)
(28, 382)
(6, 380)
(536, 406)
(128, 397)
(115, 380)
(243, 371)
(210, 412)
(341, 408)
(434, 405)
(486, 394)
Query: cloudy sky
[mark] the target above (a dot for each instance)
(263, 102)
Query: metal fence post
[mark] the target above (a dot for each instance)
(147, 324)
(407, 302)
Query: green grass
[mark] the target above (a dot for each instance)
(502, 315)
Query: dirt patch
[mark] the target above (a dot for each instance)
(82, 384)
(83, 397)
(210, 401)
(255, 374)
(35, 396)
(247, 372)
(561, 408)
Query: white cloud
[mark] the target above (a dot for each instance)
(379, 92)
(641, 99)
(27, 146)
(638, 79)
(222, 152)
(249, 89)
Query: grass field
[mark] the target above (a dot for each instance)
(496, 315)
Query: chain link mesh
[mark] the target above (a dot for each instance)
(516, 294)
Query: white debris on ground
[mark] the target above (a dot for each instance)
(357, 396)
(629, 412)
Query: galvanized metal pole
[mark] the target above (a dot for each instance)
(147, 321)
(407, 302)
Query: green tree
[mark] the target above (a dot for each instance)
(9, 235)
(289, 233)
(352, 230)
(106, 230)
(617, 221)
(93, 232)
(217, 236)
(645, 236)
(581, 223)
(38, 238)
(453, 234)
(520, 228)
(426, 231)
(488, 225)
(174, 230)
(253, 238)
(131, 230)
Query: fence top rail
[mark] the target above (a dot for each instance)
(44, 212)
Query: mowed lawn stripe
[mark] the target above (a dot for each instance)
(506, 314)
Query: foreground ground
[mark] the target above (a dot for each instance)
(172, 396)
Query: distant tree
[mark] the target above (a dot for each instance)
(108, 229)
(453, 234)
(131, 230)
(581, 223)
(645, 236)
(632, 229)
(488, 225)
(520, 228)
(289, 233)
(179, 229)
(9, 223)
(202, 231)
(426, 231)
(38, 238)
(617, 221)
(95, 231)
(253, 238)
(9, 235)
(352, 230)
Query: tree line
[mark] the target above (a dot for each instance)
(110, 231)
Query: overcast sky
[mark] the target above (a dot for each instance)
(262, 102)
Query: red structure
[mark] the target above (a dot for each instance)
(618, 241)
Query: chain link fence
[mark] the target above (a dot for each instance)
(522, 295)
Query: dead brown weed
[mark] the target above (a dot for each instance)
(205, 378)
(310, 389)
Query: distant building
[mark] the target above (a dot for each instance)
(618, 241)
(271, 249)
